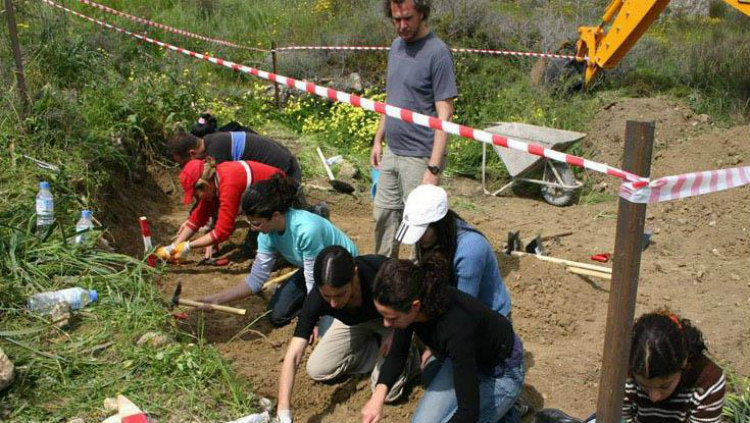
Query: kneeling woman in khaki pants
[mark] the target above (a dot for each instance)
(356, 341)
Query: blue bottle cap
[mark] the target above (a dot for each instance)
(86, 214)
(44, 185)
(93, 296)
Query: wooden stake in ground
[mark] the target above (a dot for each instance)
(11, 16)
(631, 218)
(275, 71)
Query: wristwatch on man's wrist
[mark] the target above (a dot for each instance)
(434, 169)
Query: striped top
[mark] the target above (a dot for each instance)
(698, 398)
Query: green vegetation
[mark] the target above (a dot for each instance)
(737, 401)
(103, 105)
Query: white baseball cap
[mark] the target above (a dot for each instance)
(426, 204)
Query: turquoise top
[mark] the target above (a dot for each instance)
(305, 235)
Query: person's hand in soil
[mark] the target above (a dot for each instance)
(385, 346)
(165, 253)
(284, 416)
(372, 412)
(181, 250)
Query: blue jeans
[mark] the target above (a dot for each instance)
(496, 396)
(287, 300)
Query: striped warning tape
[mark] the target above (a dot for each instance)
(635, 188)
(166, 27)
(293, 48)
(455, 50)
(686, 185)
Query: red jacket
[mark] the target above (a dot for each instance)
(232, 181)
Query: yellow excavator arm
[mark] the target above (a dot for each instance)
(603, 48)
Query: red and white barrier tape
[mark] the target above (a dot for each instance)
(635, 189)
(291, 48)
(455, 50)
(386, 109)
(166, 27)
(686, 185)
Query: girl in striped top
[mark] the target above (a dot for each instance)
(671, 380)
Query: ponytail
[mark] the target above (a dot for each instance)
(434, 283)
(209, 172)
(334, 266)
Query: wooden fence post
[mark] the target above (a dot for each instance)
(11, 16)
(631, 218)
(275, 84)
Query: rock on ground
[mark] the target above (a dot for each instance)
(6, 370)
(154, 339)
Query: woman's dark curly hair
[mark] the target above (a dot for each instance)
(662, 343)
(400, 282)
(277, 194)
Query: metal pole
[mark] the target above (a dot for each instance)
(275, 84)
(631, 218)
(10, 14)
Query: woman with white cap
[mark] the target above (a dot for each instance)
(434, 229)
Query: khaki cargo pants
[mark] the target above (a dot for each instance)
(356, 350)
(399, 175)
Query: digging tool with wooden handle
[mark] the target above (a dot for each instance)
(587, 272)
(279, 279)
(338, 185)
(176, 300)
(570, 263)
(214, 307)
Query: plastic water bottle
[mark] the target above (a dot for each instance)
(335, 159)
(45, 208)
(76, 298)
(84, 224)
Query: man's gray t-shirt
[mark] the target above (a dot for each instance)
(419, 74)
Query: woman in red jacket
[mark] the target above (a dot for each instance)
(214, 186)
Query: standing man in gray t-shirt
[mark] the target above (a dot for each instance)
(420, 78)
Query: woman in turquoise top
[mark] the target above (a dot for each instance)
(296, 235)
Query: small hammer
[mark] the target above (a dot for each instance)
(176, 300)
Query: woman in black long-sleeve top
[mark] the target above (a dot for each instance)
(486, 354)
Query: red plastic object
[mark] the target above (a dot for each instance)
(601, 258)
(180, 316)
(151, 260)
(221, 262)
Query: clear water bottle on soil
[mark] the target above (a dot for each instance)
(76, 298)
(45, 208)
(84, 226)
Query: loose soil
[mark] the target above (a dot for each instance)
(696, 266)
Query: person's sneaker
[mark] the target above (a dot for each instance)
(553, 415)
(322, 210)
(522, 407)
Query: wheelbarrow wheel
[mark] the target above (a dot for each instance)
(556, 195)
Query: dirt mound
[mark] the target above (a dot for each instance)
(696, 265)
